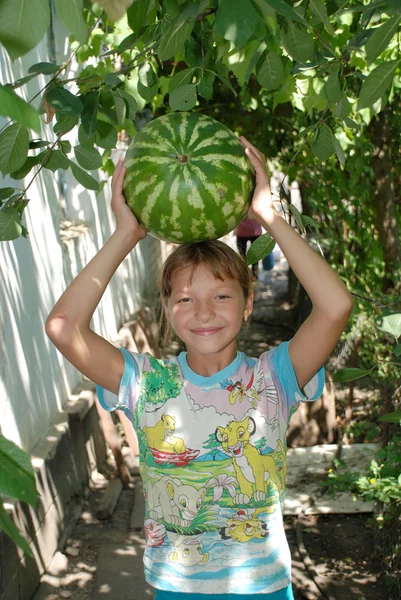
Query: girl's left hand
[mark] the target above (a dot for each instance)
(262, 203)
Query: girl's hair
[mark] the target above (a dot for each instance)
(221, 260)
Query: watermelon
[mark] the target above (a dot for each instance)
(187, 178)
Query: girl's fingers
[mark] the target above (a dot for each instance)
(248, 144)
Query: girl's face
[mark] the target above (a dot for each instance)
(207, 313)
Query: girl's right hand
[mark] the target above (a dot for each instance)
(125, 219)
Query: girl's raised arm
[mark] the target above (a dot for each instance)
(332, 303)
(68, 324)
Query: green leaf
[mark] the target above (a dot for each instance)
(377, 84)
(64, 102)
(20, 82)
(174, 39)
(17, 478)
(349, 375)
(205, 87)
(298, 43)
(343, 107)
(182, 77)
(332, 88)
(17, 109)
(64, 124)
(6, 193)
(260, 248)
(396, 351)
(9, 527)
(323, 144)
(56, 160)
(10, 224)
(285, 10)
(183, 98)
(380, 38)
(137, 15)
(319, 10)
(23, 23)
(339, 151)
(390, 324)
(297, 216)
(270, 71)
(309, 222)
(393, 417)
(236, 21)
(45, 68)
(83, 178)
(14, 146)
(30, 162)
(71, 13)
(121, 109)
(130, 102)
(147, 93)
(88, 158)
(106, 135)
(147, 75)
(89, 112)
(112, 80)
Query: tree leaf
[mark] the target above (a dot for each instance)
(343, 107)
(174, 38)
(30, 162)
(14, 146)
(46, 68)
(380, 38)
(298, 43)
(83, 178)
(64, 102)
(270, 71)
(121, 109)
(64, 124)
(17, 478)
(88, 158)
(89, 112)
(106, 135)
(148, 93)
(396, 351)
(349, 375)
(182, 77)
(319, 10)
(236, 21)
(9, 527)
(205, 87)
(146, 75)
(323, 144)
(339, 151)
(23, 23)
(393, 417)
(260, 248)
(14, 107)
(71, 13)
(377, 83)
(56, 160)
(309, 222)
(285, 10)
(10, 224)
(390, 324)
(6, 193)
(130, 102)
(332, 88)
(297, 216)
(183, 98)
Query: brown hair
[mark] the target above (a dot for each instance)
(222, 261)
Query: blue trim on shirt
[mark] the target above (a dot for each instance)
(286, 374)
(284, 594)
(202, 381)
(130, 371)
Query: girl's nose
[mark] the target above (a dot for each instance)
(205, 311)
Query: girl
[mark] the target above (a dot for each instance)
(211, 422)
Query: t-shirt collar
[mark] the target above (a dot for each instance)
(201, 380)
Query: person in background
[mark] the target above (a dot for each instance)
(248, 231)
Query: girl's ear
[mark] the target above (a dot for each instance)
(249, 303)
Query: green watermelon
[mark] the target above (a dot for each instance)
(187, 178)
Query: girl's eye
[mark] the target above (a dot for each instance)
(184, 300)
(222, 297)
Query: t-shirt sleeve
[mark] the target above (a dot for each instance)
(130, 385)
(284, 377)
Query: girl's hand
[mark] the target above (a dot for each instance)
(125, 219)
(262, 204)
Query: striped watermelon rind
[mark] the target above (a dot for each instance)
(187, 178)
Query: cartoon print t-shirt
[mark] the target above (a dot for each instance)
(213, 463)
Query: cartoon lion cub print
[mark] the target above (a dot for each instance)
(160, 436)
(244, 527)
(252, 469)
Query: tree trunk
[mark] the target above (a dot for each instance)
(381, 134)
